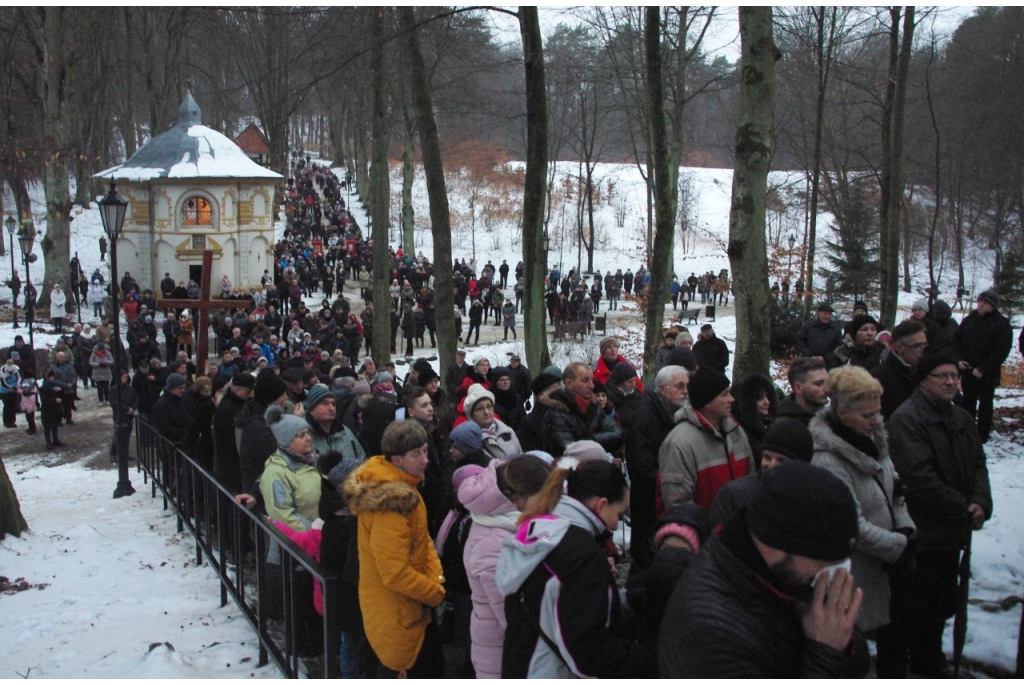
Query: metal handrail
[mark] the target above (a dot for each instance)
(207, 511)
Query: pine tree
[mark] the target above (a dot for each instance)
(1009, 281)
(854, 254)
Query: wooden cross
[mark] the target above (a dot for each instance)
(204, 304)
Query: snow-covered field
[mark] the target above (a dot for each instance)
(116, 591)
(120, 579)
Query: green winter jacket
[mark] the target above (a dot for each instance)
(291, 491)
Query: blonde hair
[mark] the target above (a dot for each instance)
(203, 383)
(851, 385)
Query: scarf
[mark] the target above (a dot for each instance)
(310, 458)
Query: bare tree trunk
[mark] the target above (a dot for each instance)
(11, 519)
(824, 54)
(664, 233)
(408, 176)
(380, 183)
(892, 160)
(534, 256)
(747, 255)
(433, 169)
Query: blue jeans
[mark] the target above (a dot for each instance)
(97, 309)
(351, 654)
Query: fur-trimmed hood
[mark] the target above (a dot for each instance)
(826, 440)
(559, 400)
(378, 487)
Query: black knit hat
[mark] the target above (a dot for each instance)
(859, 322)
(990, 296)
(544, 381)
(243, 380)
(622, 372)
(932, 358)
(803, 510)
(269, 387)
(790, 438)
(705, 385)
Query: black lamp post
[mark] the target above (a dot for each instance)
(11, 223)
(27, 238)
(113, 207)
(545, 245)
(792, 244)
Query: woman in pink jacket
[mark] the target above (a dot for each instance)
(494, 499)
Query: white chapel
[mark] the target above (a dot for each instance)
(192, 189)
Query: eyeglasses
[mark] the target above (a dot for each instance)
(950, 376)
(483, 407)
(918, 346)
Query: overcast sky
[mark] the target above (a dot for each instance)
(723, 36)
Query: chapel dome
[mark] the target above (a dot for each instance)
(188, 150)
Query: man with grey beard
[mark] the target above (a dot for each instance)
(655, 421)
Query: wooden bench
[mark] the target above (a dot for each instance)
(572, 328)
(690, 315)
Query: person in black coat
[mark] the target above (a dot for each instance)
(710, 350)
(757, 403)
(123, 396)
(339, 556)
(984, 340)
(675, 543)
(739, 613)
(567, 421)
(256, 441)
(226, 464)
(521, 378)
(655, 421)
(939, 457)
(896, 374)
(531, 427)
(820, 336)
(51, 394)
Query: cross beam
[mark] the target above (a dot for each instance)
(204, 304)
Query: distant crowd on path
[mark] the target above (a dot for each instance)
(769, 536)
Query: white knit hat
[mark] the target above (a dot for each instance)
(476, 393)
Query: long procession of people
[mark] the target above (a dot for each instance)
(475, 514)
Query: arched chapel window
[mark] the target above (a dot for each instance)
(197, 212)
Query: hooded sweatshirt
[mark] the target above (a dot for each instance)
(562, 605)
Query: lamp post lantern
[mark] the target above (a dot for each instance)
(113, 207)
(27, 239)
(792, 244)
(11, 223)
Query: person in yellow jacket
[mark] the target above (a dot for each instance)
(400, 576)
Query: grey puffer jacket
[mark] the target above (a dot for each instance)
(880, 512)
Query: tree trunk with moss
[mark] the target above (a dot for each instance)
(747, 254)
(534, 257)
(11, 520)
(433, 169)
(664, 200)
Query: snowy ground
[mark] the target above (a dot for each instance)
(116, 592)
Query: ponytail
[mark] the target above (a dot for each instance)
(583, 483)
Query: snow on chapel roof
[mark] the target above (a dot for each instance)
(189, 150)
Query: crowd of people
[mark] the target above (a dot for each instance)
(773, 534)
